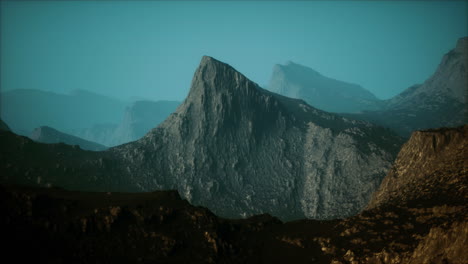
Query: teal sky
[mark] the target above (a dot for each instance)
(150, 49)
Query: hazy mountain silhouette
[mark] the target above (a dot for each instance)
(49, 135)
(297, 81)
(441, 101)
(26, 109)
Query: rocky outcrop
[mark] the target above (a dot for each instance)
(297, 81)
(45, 134)
(241, 150)
(430, 166)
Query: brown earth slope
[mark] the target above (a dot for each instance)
(419, 215)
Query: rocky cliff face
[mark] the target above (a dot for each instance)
(45, 134)
(241, 150)
(297, 81)
(430, 166)
(441, 101)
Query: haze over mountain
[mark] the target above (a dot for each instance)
(236, 148)
(441, 101)
(49, 135)
(26, 109)
(139, 118)
(297, 81)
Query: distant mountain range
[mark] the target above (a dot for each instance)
(139, 118)
(49, 135)
(24, 110)
(441, 101)
(83, 114)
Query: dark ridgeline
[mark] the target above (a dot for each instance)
(418, 216)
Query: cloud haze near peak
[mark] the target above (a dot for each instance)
(150, 49)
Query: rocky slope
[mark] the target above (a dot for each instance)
(426, 225)
(441, 101)
(297, 81)
(241, 150)
(45, 134)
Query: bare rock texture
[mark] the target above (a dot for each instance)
(45, 134)
(241, 150)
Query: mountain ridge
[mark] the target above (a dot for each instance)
(244, 150)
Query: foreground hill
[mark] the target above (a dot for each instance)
(423, 226)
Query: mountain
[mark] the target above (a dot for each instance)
(441, 101)
(297, 81)
(49, 135)
(414, 218)
(431, 167)
(242, 150)
(27, 109)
